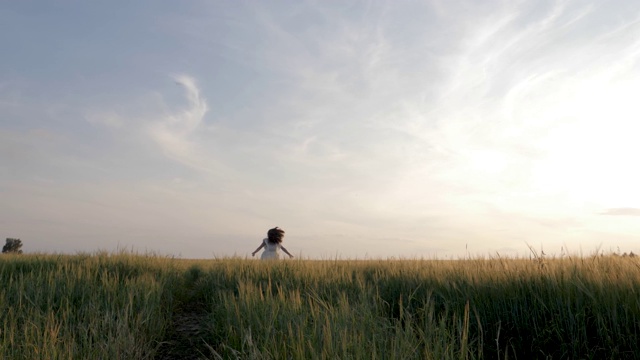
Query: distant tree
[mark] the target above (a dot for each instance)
(13, 246)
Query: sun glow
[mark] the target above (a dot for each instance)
(590, 154)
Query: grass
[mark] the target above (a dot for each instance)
(81, 307)
(124, 306)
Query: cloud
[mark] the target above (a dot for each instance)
(175, 133)
(622, 212)
(191, 117)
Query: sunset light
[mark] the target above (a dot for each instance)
(364, 129)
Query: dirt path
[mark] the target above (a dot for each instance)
(185, 340)
(189, 330)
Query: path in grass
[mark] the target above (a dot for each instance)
(185, 338)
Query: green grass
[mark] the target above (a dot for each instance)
(82, 307)
(124, 306)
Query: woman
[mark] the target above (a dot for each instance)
(272, 244)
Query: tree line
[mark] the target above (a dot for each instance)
(12, 246)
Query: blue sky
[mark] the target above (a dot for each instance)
(363, 128)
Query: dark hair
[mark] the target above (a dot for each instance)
(275, 235)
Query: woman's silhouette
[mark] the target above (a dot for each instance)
(272, 244)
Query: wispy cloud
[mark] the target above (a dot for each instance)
(622, 212)
(175, 133)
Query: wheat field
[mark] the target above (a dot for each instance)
(130, 306)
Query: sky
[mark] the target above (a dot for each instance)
(364, 129)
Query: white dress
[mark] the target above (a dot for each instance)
(271, 251)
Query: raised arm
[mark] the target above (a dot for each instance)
(258, 249)
(285, 251)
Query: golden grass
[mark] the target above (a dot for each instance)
(123, 306)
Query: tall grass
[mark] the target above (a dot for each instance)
(482, 308)
(81, 307)
(135, 307)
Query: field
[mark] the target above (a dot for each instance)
(127, 306)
